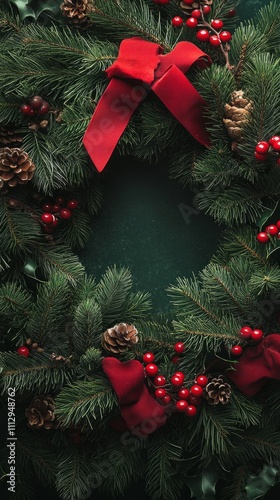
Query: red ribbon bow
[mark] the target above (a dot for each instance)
(139, 67)
(141, 413)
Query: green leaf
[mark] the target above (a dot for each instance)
(267, 213)
(259, 484)
(24, 8)
(204, 486)
(34, 11)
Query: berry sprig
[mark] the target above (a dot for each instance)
(183, 396)
(246, 333)
(56, 210)
(209, 32)
(263, 148)
(273, 230)
(37, 106)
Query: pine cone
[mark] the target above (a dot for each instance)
(15, 167)
(40, 413)
(117, 339)
(8, 136)
(76, 11)
(237, 114)
(187, 9)
(217, 391)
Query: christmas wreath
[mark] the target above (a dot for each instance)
(103, 395)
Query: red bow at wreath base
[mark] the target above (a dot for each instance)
(140, 66)
(140, 411)
(257, 365)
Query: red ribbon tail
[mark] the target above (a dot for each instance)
(110, 119)
(184, 102)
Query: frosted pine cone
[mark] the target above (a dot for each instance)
(119, 338)
(218, 391)
(15, 167)
(40, 412)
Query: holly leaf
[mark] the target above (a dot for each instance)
(204, 485)
(49, 5)
(267, 213)
(258, 485)
(24, 8)
(29, 268)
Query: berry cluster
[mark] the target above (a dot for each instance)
(57, 209)
(174, 392)
(37, 107)
(211, 32)
(246, 333)
(263, 148)
(271, 230)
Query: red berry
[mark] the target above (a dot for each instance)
(23, 351)
(245, 332)
(278, 236)
(278, 224)
(214, 41)
(44, 109)
(225, 36)
(191, 22)
(236, 350)
(26, 110)
(203, 35)
(159, 380)
(262, 147)
(263, 237)
(180, 374)
(151, 370)
(196, 13)
(175, 359)
(47, 207)
(166, 399)
(65, 213)
(54, 222)
(191, 411)
(257, 334)
(179, 347)
(160, 393)
(156, 1)
(260, 157)
(196, 390)
(231, 13)
(60, 200)
(188, 2)
(148, 357)
(195, 401)
(72, 204)
(201, 380)
(176, 381)
(56, 208)
(163, 2)
(181, 405)
(276, 145)
(36, 101)
(217, 24)
(183, 393)
(47, 218)
(274, 138)
(177, 21)
(272, 230)
(206, 9)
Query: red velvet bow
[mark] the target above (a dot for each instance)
(140, 411)
(257, 365)
(139, 67)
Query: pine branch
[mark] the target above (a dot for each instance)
(111, 293)
(59, 259)
(84, 402)
(87, 326)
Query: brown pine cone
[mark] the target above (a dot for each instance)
(217, 391)
(237, 114)
(8, 136)
(76, 11)
(15, 167)
(40, 413)
(117, 339)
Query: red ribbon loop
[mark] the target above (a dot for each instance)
(140, 65)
